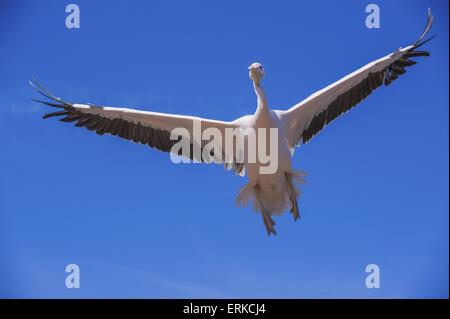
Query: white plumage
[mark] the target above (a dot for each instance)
(270, 194)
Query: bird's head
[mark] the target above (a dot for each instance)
(256, 72)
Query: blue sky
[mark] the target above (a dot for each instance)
(140, 226)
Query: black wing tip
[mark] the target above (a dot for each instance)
(424, 41)
(413, 52)
(61, 106)
(60, 103)
(419, 42)
(59, 113)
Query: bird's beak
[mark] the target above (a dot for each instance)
(250, 67)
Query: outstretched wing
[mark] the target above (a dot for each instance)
(310, 116)
(148, 128)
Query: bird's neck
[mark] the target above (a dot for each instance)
(262, 100)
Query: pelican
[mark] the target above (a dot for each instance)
(270, 194)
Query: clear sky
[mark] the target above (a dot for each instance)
(140, 226)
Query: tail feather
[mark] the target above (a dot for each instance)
(247, 195)
(252, 193)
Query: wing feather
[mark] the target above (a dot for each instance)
(304, 120)
(147, 128)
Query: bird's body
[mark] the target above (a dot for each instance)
(271, 192)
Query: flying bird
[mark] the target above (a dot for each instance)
(270, 194)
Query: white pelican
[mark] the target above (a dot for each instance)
(271, 194)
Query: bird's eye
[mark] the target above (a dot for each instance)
(260, 67)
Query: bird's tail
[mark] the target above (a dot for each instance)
(252, 194)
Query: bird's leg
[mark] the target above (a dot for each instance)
(294, 209)
(267, 219)
(292, 197)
